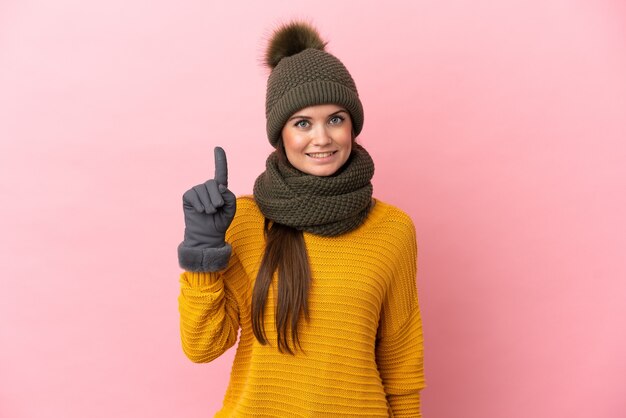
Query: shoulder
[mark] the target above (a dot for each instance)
(247, 211)
(393, 218)
(393, 227)
(248, 218)
(246, 203)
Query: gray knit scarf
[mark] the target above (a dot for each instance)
(326, 206)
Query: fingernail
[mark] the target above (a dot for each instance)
(221, 188)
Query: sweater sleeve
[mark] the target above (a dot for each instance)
(399, 346)
(210, 307)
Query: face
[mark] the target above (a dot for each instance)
(318, 139)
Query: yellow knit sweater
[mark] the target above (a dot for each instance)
(362, 349)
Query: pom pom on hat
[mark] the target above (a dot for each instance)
(290, 39)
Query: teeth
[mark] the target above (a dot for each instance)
(321, 155)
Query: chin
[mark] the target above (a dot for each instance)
(320, 170)
(322, 173)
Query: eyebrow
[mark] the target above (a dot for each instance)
(308, 117)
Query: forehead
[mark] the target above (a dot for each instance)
(320, 110)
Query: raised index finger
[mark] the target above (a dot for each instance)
(221, 167)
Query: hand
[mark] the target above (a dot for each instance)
(209, 208)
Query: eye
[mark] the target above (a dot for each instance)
(336, 120)
(302, 123)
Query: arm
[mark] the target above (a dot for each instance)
(210, 297)
(209, 306)
(400, 344)
(400, 362)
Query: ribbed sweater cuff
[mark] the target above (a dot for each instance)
(204, 259)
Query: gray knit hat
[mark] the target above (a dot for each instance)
(303, 75)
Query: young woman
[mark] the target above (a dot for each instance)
(317, 275)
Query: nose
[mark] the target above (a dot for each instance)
(322, 136)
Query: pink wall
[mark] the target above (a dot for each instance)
(500, 128)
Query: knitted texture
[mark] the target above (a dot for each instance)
(309, 78)
(329, 205)
(362, 348)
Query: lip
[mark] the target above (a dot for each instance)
(322, 160)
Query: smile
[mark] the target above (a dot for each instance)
(321, 154)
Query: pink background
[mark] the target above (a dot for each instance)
(500, 127)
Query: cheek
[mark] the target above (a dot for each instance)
(346, 138)
(293, 143)
(293, 146)
(287, 139)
